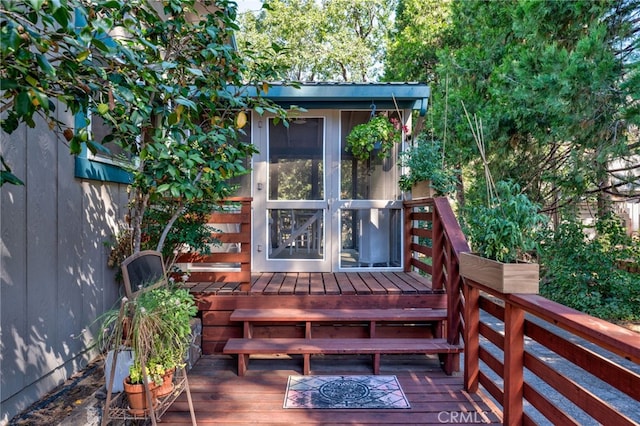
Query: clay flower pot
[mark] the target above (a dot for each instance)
(167, 384)
(138, 399)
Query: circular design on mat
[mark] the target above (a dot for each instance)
(344, 390)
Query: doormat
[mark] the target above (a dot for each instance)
(335, 392)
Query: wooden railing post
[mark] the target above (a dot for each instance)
(471, 337)
(437, 257)
(408, 238)
(245, 245)
(513, 364)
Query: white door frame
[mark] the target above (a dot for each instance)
(331, 204)
(262, 205)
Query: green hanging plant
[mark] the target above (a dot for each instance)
(380, 133)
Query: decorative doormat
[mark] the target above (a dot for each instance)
(334, 392)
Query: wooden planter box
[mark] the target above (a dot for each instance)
(422, 189)
(503, 277)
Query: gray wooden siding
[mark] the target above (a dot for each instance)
(54, 278)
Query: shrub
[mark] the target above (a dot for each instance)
(582, 273)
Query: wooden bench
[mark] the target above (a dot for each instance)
(307, 346)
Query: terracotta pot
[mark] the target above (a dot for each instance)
(167, 384)
(138, 399)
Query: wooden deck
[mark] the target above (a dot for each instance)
(353, 290)
(221, 397)
(319, 283)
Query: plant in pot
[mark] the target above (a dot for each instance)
(426, 174)
(504, 234)
(378, 134)
(160, 335)
(134, 386)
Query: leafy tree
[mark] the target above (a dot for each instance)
(166, 80)
(417, 37)
(328, 40)
(555, 85)
(295, 26)
(47, 61)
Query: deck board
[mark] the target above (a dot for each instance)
(316, 283)
(221, 397)
(330, 283)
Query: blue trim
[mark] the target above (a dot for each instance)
(351, 95)
(95, 170)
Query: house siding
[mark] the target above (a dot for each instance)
(54, 277)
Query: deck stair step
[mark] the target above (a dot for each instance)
(307, 346)
(339, 315)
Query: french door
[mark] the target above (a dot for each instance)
(316, 209)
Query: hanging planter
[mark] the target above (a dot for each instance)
(378, 135)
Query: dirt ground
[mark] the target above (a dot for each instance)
(56, 406)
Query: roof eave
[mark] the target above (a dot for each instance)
(413, 96)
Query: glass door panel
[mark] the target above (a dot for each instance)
(296, 163)
(296, 234)
(370, 238)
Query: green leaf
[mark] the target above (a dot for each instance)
(7, 84)
(186, 102)
(164, 187)
(23, 103)
(10, 178)
(36, 4)
(98, 147)
(61, 16)
(82, 56)
(43, 62)
(75, 146)
(196, 71)
(32, 81)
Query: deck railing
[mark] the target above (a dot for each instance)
(230, 259)
(432, 240)
(505, 333)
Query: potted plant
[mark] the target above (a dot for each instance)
(378, 134)
(161, 331)
(158, 324)
(134, 387)
(504, 235)
(426, 174)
